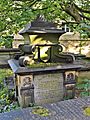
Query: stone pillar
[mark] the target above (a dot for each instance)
(69, 84)
(25, 90)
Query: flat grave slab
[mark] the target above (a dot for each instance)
(64, 110)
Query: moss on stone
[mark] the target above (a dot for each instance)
(42, 65)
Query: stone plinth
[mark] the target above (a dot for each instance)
(41, 85)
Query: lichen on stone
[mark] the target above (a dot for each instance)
(87, 111)
(41, 111)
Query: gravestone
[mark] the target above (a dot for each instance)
(41, 85)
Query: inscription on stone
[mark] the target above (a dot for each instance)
(48, 88)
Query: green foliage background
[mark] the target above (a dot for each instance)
(14, 14)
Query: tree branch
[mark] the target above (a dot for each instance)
(83, 16)
(22, 8)
(82, 10)
(39, 9)
(72, 11)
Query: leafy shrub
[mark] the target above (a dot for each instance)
(6, 95)
(6, 41)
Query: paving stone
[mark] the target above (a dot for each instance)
(64, 110)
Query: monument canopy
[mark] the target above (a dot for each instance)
(40, 25)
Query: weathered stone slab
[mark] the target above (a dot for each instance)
(48, 88)
(64, 110)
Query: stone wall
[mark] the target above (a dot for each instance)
(84, 75)
(72, 42)
(18, 39)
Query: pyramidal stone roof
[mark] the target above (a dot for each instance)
(40, 25)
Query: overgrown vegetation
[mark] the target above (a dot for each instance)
(7, 100)
(15, 14)
(83, 87)
(6, 41)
